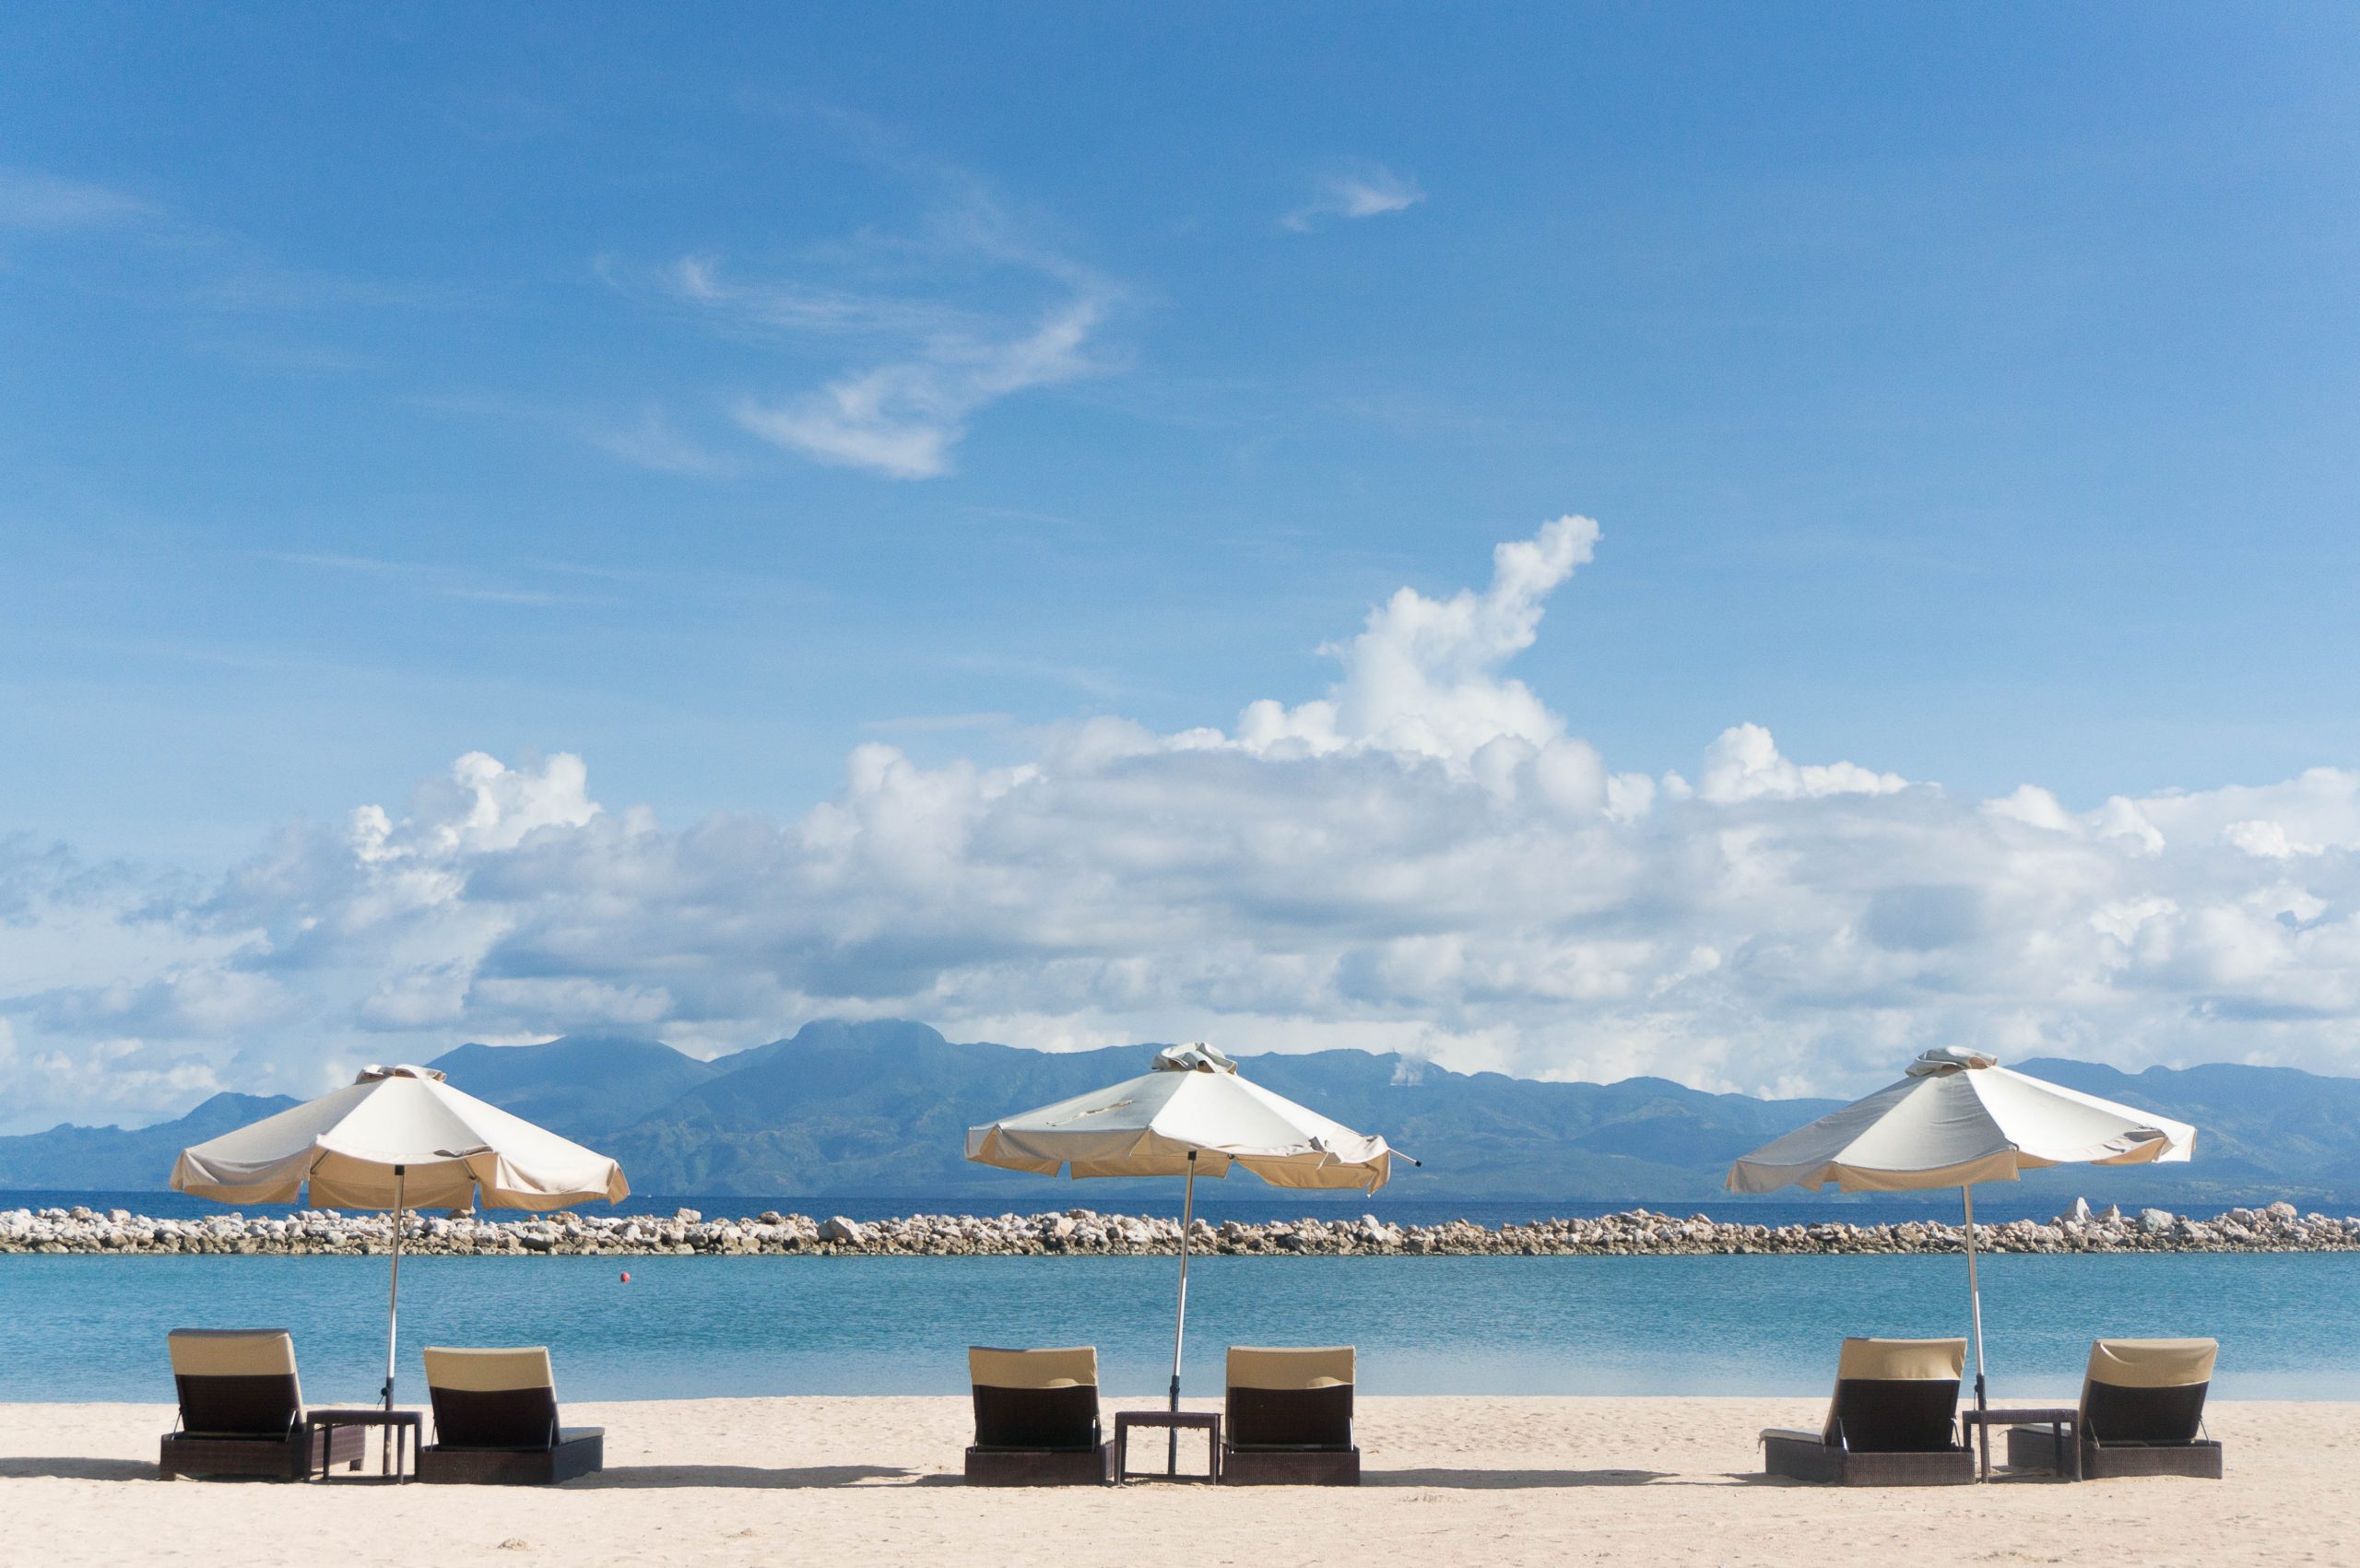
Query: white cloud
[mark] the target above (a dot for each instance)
(902, 419)
(1423, 859)
(32, 200)
(444, 582)
(1366, 190)
(1745, 764)
(124, 1075)
(923, 723)
(654, 442)
(1423, 678)
(922, 367)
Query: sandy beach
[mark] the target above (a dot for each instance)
(1449, 1482)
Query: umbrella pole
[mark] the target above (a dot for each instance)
(1974, 1309)
(1180, 1328)
(393, 1315)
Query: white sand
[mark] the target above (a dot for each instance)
(1449, 1482)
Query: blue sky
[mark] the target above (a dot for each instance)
(1969, 393)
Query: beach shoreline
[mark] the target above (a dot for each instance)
(2279, 1227)
(1449, 1480)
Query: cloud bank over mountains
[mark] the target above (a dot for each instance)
(1422, 859)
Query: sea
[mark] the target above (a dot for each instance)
(92, 1328)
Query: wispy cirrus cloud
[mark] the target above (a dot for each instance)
(927, 723)
(1363, 190)
(902, 419)
(235, 298)
(1002, 313)
(647, 439)
(441, 581)
(654, 441)
(30, 199)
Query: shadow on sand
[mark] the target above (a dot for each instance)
(77, 1470)
(1506, 1480)
(748, 1476)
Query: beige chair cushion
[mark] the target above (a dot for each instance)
(1314, 1366)
(1901, 1361)
(488, 1371)
(231, 1353)
(1072, 1366)
(2152, 1363)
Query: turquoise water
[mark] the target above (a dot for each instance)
(75, 1328)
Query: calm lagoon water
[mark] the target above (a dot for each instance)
(79, 1328)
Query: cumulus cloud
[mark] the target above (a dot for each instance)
(1366, 190)
(1745, 764)
(1423, 677)
(1422, 858)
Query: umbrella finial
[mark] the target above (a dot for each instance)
(1194, 1058)
(373, 1073)
(1949, 1059)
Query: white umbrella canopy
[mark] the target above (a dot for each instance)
(348, 1144)
(398, 1138)
(1192, 1113)
(1956, 1118)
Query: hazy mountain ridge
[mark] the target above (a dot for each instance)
(121, 1159)
(844, 1107)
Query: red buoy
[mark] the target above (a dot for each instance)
(626, 1275)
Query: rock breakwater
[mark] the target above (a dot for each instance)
(1082, 1231)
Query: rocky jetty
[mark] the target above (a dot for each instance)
(2279, 1228)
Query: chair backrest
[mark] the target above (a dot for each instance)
(497, 1398)
(1035, 1398)
(2147, 1390)
(236, 1381)
(1897, 1395)
(1290, 1397)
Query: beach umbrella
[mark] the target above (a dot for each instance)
(1956, 1118)
(1191, 1114)
(398, 1138)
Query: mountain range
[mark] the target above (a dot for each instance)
(883, 1108)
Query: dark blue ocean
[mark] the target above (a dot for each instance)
(79, 1328)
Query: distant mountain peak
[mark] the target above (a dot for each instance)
(874, 1105)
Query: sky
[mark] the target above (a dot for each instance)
(1732, 541)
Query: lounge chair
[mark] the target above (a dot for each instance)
(1289, 1418)
(495, 1422)
(2143, 1413)
(1036, 1419)
(241, 1410)
(1893, 1420)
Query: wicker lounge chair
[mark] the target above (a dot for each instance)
(1289, 1418)
(241, 1410)
(495, 1422)
(1893, 1420)
(2143, 1413)
(1036, 1419)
